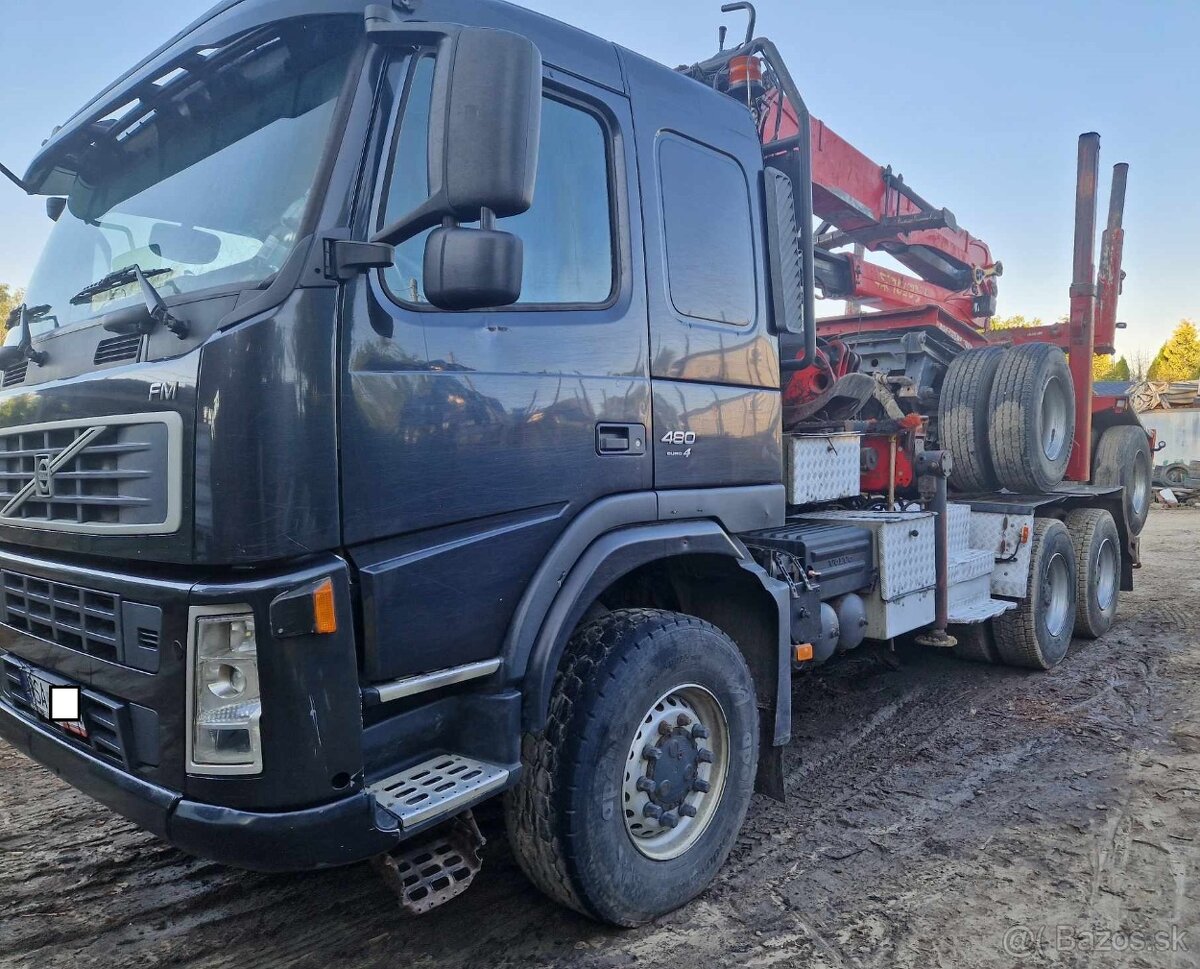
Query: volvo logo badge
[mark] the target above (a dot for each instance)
(43, 476)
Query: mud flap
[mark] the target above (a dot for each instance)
(768, 781)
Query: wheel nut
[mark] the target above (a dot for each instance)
(664, 728)
(702, 786)
(669, 819)
(652, 811)
(687, 810)
(651, 752)
(683, 720)
(699, 733)
(646, 785)
(704, 755)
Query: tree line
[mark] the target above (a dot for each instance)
(1177, 359)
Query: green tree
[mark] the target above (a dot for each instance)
(1104, 367)
(10, 299)
(1179, 358)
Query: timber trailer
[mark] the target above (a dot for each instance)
(423, 402)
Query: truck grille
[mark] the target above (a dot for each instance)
(105, 475)
(100, 624)
(64, 614)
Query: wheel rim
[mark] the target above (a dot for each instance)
(1174, 476)
(1058, 594)
(675, 772)
(1055, 432)
(1141, 487)
(1106, 574)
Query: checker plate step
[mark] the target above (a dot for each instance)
(442, 785)
(979, 610)
(430, 871)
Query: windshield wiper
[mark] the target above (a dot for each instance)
(155, 307)
(122, 277)
(24, 350)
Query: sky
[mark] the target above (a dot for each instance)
(978, 105)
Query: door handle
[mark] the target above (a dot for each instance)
(620, 439)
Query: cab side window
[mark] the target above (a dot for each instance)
(709, 232)
(567, 234)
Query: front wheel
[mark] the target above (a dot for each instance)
(631, 799)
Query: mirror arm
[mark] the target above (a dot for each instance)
(17, 181)
(345, 258)
(427, 215)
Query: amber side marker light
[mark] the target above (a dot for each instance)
(324, 613)
(804, 652)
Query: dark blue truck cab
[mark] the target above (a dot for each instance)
(459, 486)
(394, 421)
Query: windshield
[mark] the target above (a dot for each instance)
(208, 178)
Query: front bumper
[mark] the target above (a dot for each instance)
(307, 808)
(338, 833)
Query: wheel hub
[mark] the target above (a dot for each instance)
(674, 772)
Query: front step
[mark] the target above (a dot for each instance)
(439, 787)
(432, 870)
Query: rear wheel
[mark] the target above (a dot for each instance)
(963, 417)
(1037, 633)
(1031, 414)
(1098, 568)
(1123, 458)
(631, 799)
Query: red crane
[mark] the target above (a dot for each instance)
(952, 291)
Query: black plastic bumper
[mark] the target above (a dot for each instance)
(339, 833)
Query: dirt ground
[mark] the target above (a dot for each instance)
(940, 815)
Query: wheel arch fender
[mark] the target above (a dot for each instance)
(759, 603)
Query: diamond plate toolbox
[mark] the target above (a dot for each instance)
(822, 467)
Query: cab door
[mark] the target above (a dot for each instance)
(470, 439)
(714, 363)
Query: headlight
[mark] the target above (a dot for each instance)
(224, 702)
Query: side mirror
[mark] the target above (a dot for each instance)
(55, 206)
(470, 269)
(485, 124)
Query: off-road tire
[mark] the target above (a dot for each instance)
(1090, 529)
(963, 418)
(1022, 635)
(565, 816)
(1017, 420)
(1123, 458)
(976, 643)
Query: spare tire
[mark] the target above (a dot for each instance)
(1123, 458)
(1032, 418)
(963, 418)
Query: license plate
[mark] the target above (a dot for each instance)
(38, 690)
